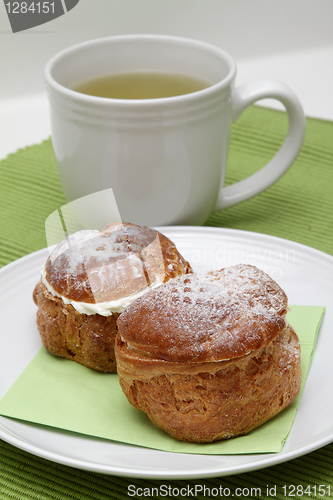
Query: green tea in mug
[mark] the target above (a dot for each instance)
(141, 85)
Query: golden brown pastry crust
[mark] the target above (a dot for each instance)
(200, 390)
(99, 267)
(92, 266)
(222, 315)
(88, 340)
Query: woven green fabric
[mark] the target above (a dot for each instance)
(298, 207)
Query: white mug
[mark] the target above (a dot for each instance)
(164, 158)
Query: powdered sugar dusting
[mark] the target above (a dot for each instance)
(98, 267)
(221, 315)
(105, 268)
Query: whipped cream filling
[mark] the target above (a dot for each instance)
(102, 308)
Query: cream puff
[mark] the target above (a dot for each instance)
(88, 281)
(209, 357)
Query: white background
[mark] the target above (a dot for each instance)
(286, 40)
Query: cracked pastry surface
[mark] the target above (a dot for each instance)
(210, 357)
(89, 279)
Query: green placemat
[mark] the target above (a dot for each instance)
(298, 207)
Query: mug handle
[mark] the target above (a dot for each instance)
(241, 98)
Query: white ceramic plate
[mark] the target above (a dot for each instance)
(304, 273)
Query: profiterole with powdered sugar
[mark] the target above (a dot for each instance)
(210, 357)
(90, 278)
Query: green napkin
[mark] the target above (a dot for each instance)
(60, 393)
